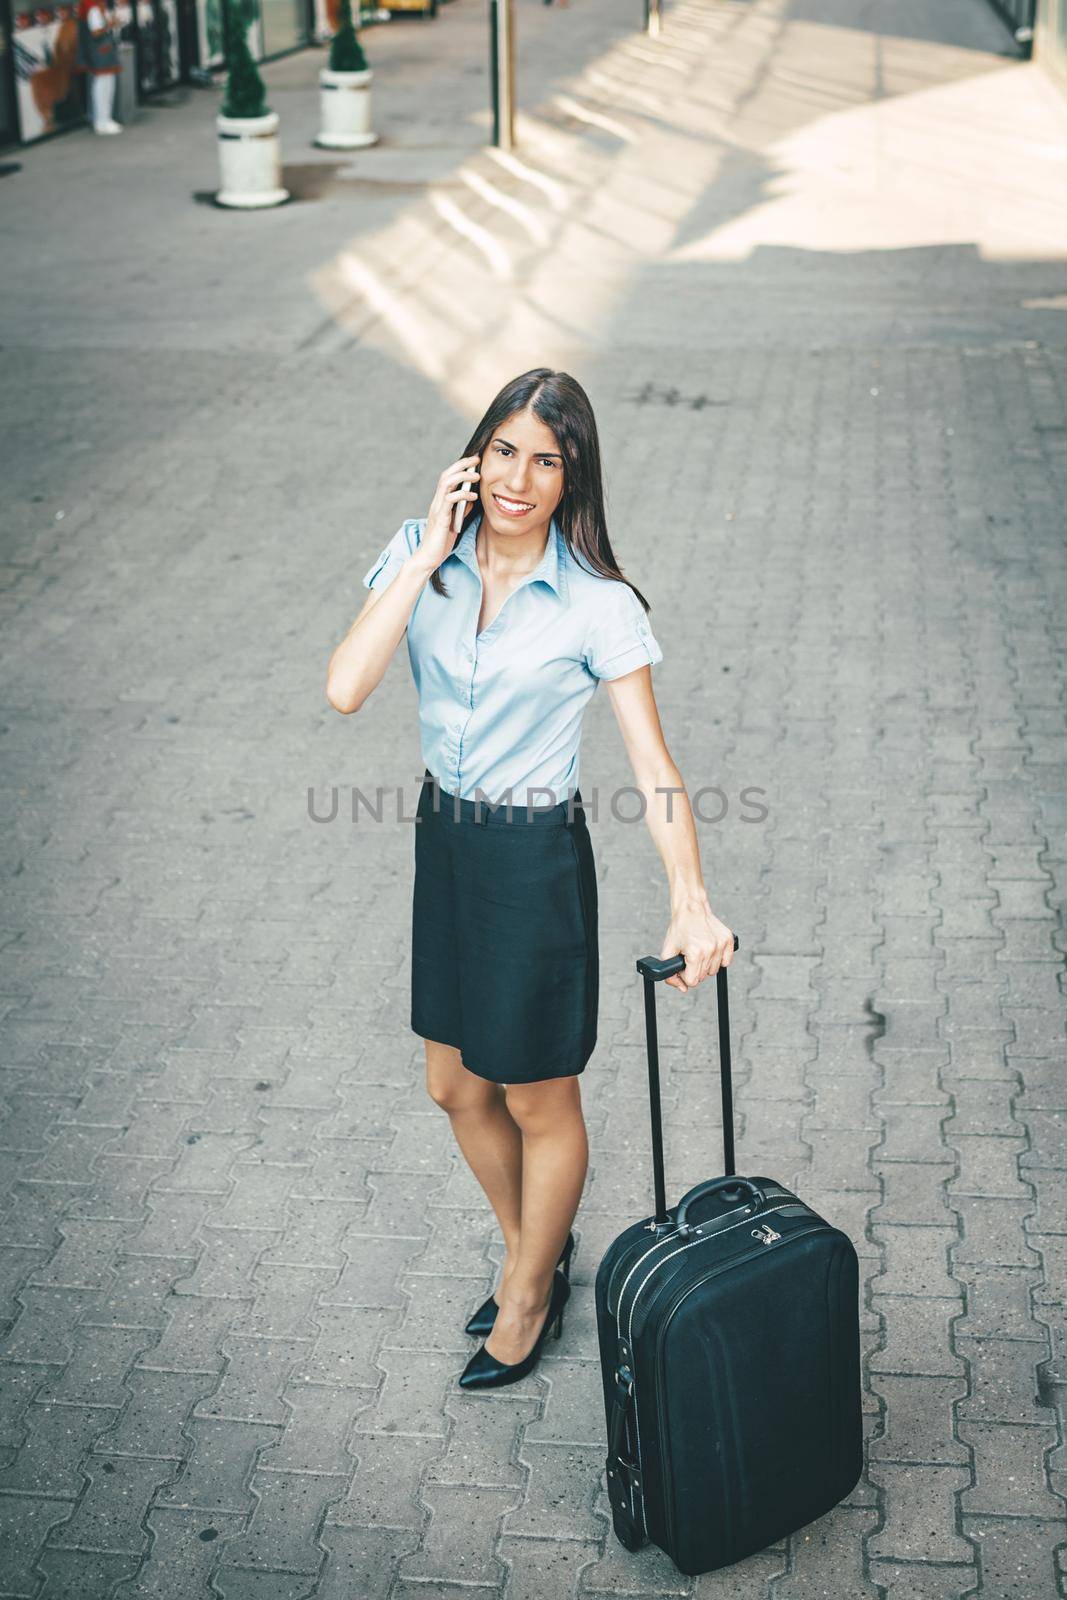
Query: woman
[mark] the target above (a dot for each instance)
(510, 626)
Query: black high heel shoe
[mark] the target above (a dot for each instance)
(483, 1319)
(484, 1371)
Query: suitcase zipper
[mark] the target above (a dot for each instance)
(771, 1192)
(705, 1238)
(661, 1410)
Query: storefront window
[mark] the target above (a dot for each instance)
(49, 91)
(157, 45)
(210, 49)
(8, 125)
(285, 24)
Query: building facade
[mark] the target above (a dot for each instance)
(163, 43)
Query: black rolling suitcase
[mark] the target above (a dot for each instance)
(729, 1348)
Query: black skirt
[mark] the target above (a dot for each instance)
(504, 945)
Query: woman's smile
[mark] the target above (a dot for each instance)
(512, 508)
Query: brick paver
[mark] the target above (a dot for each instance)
(808, 258)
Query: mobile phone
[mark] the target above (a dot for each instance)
(459, 507)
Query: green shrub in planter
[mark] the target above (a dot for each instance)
(346, 52)
(246, 94)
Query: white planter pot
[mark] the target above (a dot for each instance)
(250, 161)
(346, 113)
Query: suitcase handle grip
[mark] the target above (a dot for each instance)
(655, 968)
(715, 1186)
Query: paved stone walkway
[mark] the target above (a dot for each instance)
(809, 258)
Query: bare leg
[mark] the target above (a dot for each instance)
(486, 1134)
(555, 1156)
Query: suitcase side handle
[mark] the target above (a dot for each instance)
(624, 1475)
(652, 970)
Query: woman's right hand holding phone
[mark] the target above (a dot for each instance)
(453, 494)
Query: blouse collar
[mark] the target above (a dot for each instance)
(550, 568)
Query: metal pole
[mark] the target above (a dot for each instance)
(653, 18)
(510, 120)
(493, 86)
(502, 41)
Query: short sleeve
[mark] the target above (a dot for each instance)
(384, 568)
(620, 639)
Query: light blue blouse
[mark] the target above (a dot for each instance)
(501, 710)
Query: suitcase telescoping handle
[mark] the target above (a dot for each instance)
(653, 970)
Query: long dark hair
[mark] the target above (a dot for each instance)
(560, 402)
